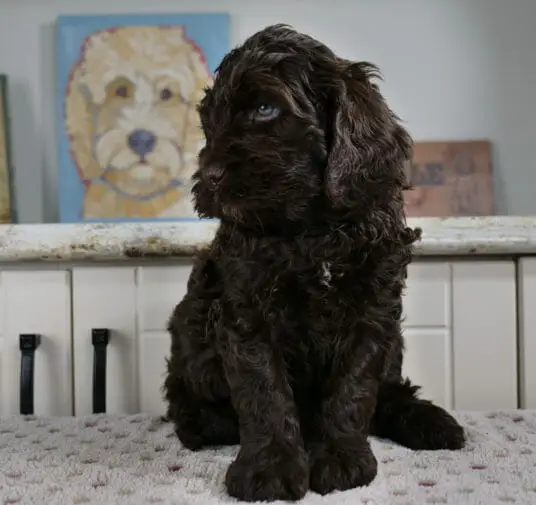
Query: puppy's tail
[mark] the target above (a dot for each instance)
(414, 423)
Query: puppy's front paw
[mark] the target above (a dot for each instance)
(342, 466)
(269, 474)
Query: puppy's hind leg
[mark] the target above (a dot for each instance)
(414, 423)
(195, 387)
(199, 422)
(197, 393)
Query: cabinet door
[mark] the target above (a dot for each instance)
(105, 298)
(36, 302)
(428, 363)
(527, 331)
(460, 333)
(159, 291)
(427, 330)
(484, 335)
(134, 304)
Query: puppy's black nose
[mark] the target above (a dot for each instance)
(142, 142)
(212, 175)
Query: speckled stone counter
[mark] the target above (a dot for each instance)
(129, 241)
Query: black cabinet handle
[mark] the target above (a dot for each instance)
(100, 337)
(28, 343)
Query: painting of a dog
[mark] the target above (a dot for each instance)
(129, 121)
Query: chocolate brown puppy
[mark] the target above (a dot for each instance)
(288, 341)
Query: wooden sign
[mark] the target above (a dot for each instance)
(450, 179)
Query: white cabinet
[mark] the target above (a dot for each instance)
(460, 333)
(428, 329)
(527, 331)
(36, 302)
(484, 335)
(158, 290)
(134, 304)
(105, 297)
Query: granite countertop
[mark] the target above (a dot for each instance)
(130, 241)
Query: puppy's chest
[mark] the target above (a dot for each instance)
(299, 287)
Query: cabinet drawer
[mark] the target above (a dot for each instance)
(160, 289)
(427, 298)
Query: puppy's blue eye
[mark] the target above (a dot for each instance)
(265, 112)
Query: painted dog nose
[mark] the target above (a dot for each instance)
(142, 142)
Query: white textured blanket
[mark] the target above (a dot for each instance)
(107, 460)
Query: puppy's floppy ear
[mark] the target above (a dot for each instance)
(368, 146)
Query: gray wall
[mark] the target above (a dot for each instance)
(454, 69)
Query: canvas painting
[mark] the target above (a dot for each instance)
(6, 200)
(128, 129)
(450, 179)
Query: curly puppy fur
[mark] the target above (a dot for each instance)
(288, 341)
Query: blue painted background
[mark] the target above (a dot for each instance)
(209, 31)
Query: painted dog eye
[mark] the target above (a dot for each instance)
(166, 94)
(121, 91)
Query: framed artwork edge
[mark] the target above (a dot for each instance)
(5, 118)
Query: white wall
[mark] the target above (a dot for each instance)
(454, 69)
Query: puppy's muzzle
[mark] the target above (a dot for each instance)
(212, 176)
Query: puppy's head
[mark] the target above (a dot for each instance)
(296, 134)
